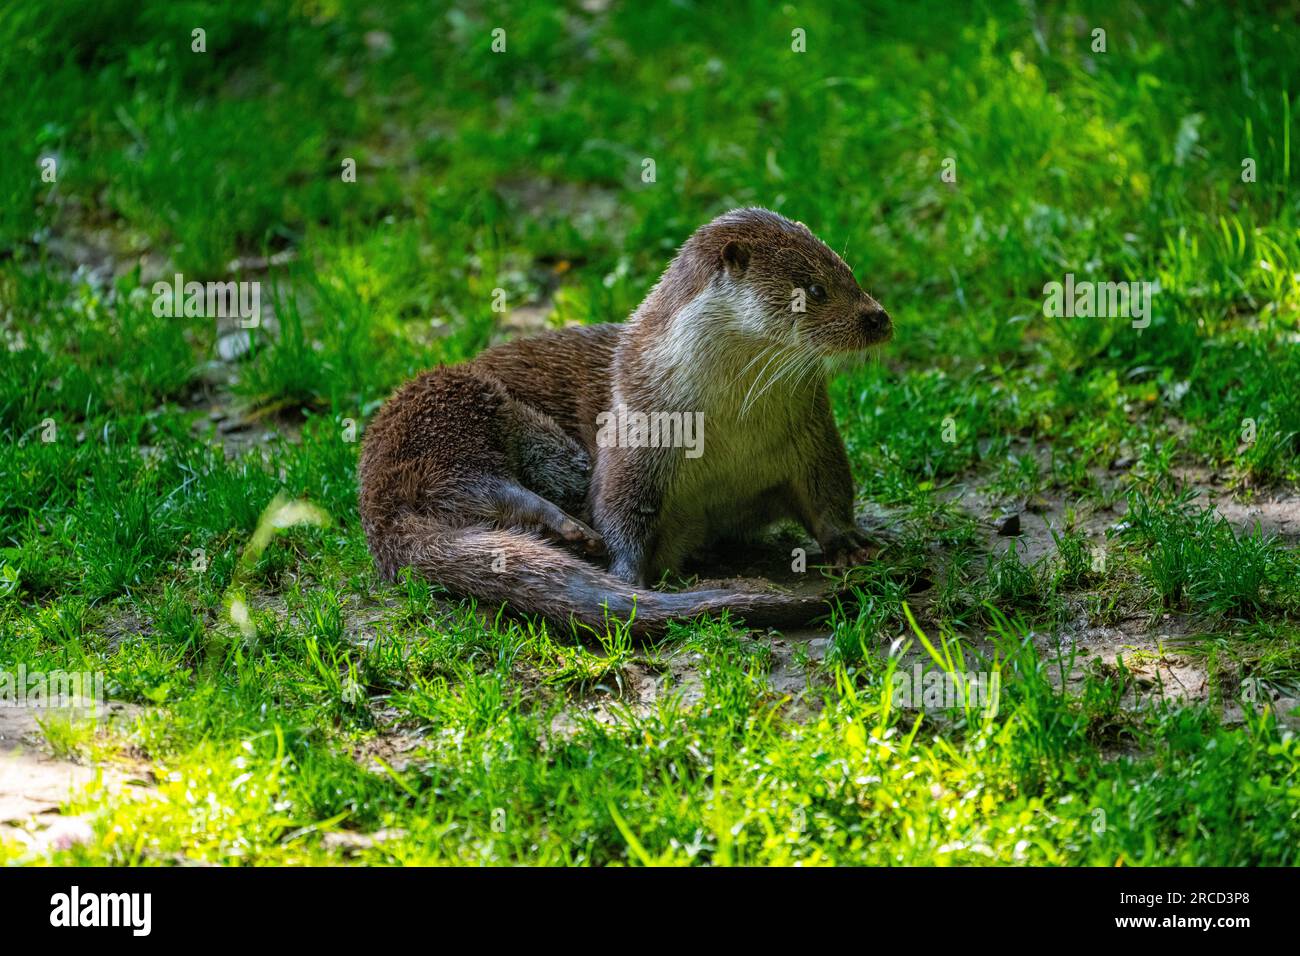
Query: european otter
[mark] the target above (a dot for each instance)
(484, 476)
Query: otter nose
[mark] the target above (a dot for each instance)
(875, 322)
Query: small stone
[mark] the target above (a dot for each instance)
(378, 42)
(1008, 525)
(233, 346)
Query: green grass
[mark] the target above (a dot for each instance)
(387, 711)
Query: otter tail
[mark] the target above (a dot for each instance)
(532, 576)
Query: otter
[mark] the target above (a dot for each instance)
(505, 480)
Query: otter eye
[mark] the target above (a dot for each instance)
(817, 292)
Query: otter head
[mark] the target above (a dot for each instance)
(789, 286)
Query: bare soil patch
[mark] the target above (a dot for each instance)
(35, 784)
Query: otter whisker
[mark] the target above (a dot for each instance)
(847, 362)
(750, 398)
(765, 350)
(796, 361)
(807, 374)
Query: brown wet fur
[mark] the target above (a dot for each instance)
(488, 478)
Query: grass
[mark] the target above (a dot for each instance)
(356, 721)
(1194, 557)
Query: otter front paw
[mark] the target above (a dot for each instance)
(849, 548)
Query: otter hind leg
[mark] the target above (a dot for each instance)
(546, 459)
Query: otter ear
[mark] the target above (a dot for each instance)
(735, 257)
